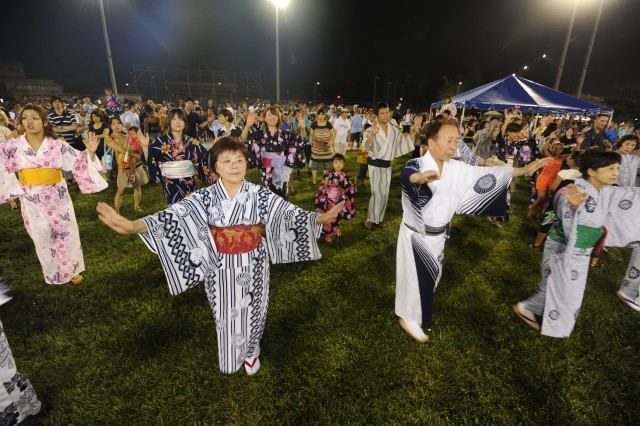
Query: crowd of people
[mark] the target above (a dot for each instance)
(584, 178)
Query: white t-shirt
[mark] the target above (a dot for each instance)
(341, 127)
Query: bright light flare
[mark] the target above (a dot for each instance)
(280, 3)
(525, 67)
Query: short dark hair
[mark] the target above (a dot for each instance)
(434, 127)
(172, 113)
(596, 158)
(380, 106)
(55, 98)
(226, 144)
(513, 127)
(338, 156)
(227, 114)
(602, 114)
(189, 99)
(134, 129)
(629, 137)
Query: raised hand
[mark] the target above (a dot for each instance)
(574, 196)
(374, 127)
(251, 118)
(301, 120)
(144, 140)
(417, 122)
(331, 214)
(92, 143)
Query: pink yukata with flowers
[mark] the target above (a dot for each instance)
(47, 209)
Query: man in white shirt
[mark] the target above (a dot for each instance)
(342, 126)
(130, 117)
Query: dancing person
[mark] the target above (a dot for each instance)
(39, 158)
(384, 143)
(222, 245)
(629, 291)
(583, 210)
(172, 159)
(334, 189)
(274, 151)
(18, 400)
(546, 177)
(434, 188)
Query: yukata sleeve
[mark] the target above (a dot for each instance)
(181, 238)
(253, 145)
(417, 195)
(294, 155)
(404, 145)
(348, 195)
(152, 160)
(623, 216)
(9, 186)
(200, 159)
(465, 154)
(486, 190)
(85, 172)
(291, 232)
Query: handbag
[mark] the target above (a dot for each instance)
(107, 159)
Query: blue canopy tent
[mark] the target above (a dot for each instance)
(514, 91)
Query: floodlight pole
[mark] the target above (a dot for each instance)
(567, 39)
(114, 86)
(591, 43)
(277, 58)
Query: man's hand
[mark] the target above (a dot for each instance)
(424, 177)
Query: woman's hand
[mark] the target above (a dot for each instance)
(417, 122)
(251, 119)
(574, 196)
(92, 145)
(331, 214)
(121, 225)
(144, 140)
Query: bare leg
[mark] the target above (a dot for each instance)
(117, 202)
(137, 196)
(314, 173)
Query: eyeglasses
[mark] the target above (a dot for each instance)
(230, 163)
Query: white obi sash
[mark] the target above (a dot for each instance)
(279, 172)
(177, 169)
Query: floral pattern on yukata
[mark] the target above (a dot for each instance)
(334, 188)
(165, 148)
(287, 143)
(47, 210)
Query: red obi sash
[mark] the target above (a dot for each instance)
(236, 239)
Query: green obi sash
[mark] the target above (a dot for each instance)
(588, 236)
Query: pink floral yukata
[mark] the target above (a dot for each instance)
(47, 210)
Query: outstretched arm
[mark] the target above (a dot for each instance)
(120, 224)
(331, 214)
(532, 167)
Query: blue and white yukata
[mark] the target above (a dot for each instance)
(630, 287)
(427, 213)
(565, 264)
(237, 285)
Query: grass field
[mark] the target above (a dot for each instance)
(119, 350)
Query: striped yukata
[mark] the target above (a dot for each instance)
(427, 212)
(383, 149)
(237, 285)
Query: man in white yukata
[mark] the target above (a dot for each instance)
(434, 188)
(384, 142)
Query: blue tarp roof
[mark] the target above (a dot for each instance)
(515, 91)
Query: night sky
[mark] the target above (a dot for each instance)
(343, 44)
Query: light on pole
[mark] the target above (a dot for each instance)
(388, 87)
(315, 87)
(114, 87)
(459, 86)
(279, 4)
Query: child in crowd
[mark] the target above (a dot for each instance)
(335, 187)
(133, 154)
(363, 156)
(546, 177)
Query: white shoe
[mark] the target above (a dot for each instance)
(414, 330)
(630, 303)
(252, 365)
(526, 315)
